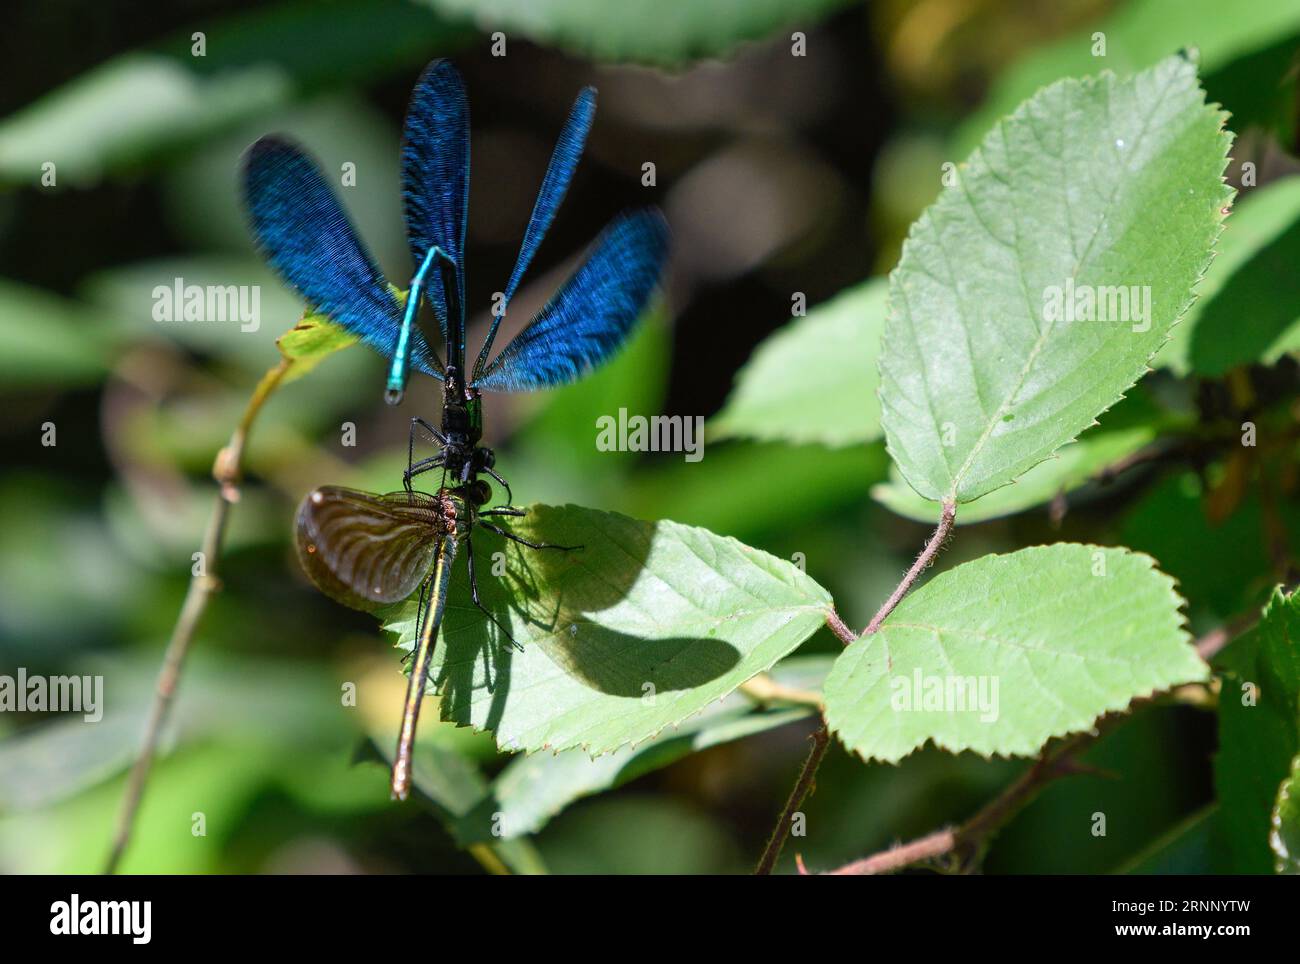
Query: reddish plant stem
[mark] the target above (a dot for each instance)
(838, 627)
(803, 786)
(941, 533)
(966, 843)
(821, 738)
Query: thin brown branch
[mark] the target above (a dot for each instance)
(965, 844)
(802, 787)
(1209, 645)
(930, 847)
(203, 585)
(822, 737)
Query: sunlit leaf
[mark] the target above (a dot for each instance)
(1100, 187)
(1001, 654)
(639, 630)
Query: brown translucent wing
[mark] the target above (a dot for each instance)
(365, 550)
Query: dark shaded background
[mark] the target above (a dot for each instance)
(779, 174)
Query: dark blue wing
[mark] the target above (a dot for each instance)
(564, 160)
(590, 316)
(435, 188)
(305, 235)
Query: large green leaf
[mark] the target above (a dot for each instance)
(662, 32)
(141, 104)
(1003, 653)
(814, 380)
(643, 627)
(1284, 838)
(1248, 307)
(1100, 185)
(1244, 51)
(533, 788)
(1259, 730)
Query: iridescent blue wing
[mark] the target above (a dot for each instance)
(435, 189)
(564, 160)
(590, 316)
(305, 235)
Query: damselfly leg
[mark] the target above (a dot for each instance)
(521, 540)
(414, 468)
(473, 594)
(420, 608)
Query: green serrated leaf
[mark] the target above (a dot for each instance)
(1248, 307)
(639, 630)
(661, 32)
(1259, 731)
(1001, 654)
(814, 380)
(1284, 838)
(1102, 185)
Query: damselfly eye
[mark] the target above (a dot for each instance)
(479, 492)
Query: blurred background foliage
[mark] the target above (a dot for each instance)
(779, 174)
